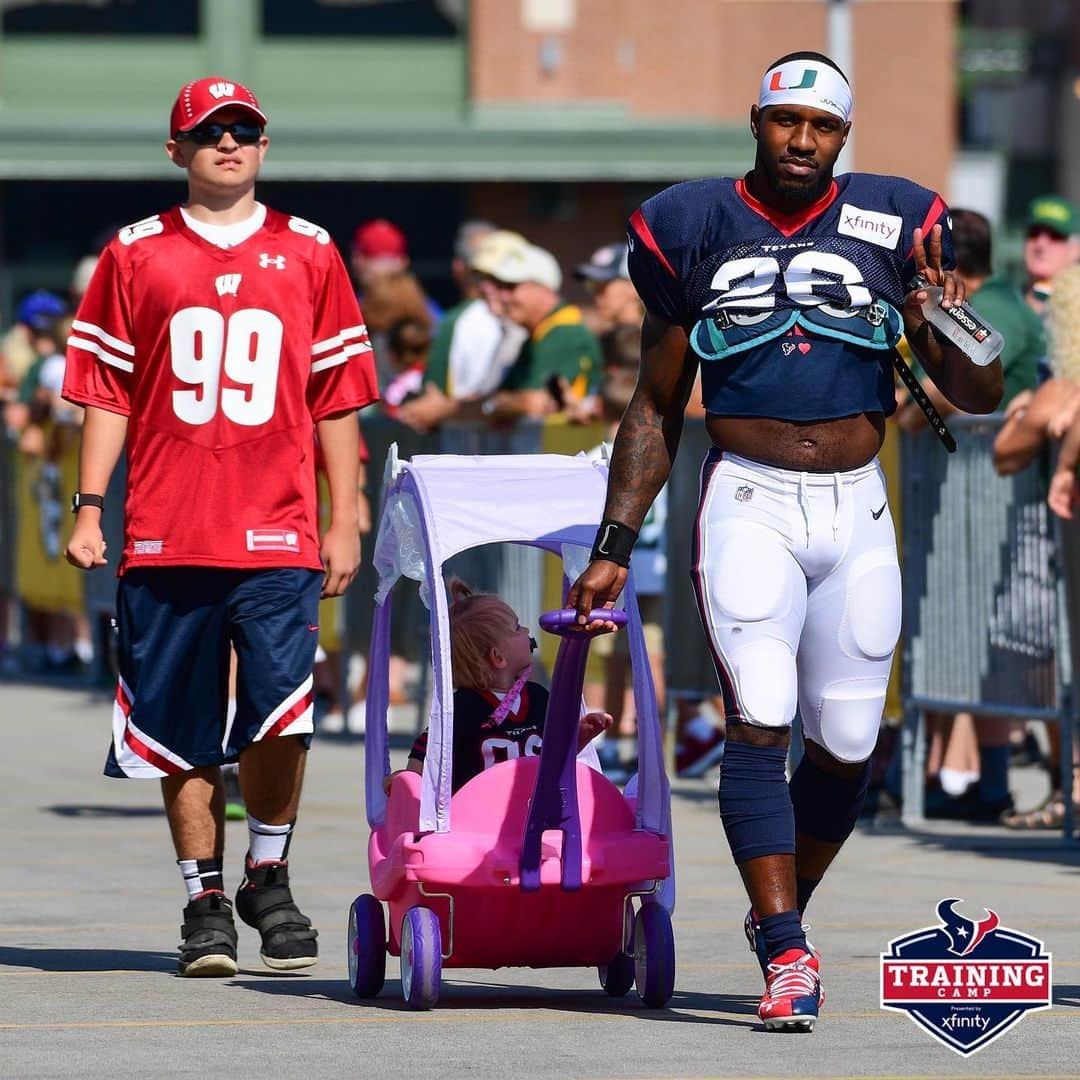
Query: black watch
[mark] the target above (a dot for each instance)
(81, 498)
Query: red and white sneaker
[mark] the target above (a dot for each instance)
(792, 992)
(755, 938)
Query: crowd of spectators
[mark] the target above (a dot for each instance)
(511, 349)
(970, 754)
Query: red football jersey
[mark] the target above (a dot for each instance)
(223, 360)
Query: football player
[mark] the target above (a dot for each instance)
(790, 288)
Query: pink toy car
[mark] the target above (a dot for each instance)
(544, 856)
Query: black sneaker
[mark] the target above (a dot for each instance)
(265, 902)
(208, 945)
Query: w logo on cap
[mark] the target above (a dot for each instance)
(228, 89)
(809, 77)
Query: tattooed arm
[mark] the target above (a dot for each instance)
(645, 449)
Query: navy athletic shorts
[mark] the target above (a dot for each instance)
(176, 625)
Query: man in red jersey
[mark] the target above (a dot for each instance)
(215, 341)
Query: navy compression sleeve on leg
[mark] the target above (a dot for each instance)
(826, 807)
(755, 805)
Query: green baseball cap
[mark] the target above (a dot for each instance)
(1054, 212)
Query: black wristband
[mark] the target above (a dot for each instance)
(614, 542)
(82, 498)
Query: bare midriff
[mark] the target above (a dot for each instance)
(834, 445)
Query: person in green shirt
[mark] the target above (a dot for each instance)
(474, 344)
(986, 739)
(560, 359)
(1001, 305)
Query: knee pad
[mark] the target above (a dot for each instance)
(755, 805)
(872, 606)
(848, 719)
(765, 681)
(750, 601)
(825, 806)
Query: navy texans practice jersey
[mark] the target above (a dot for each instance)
(794, 316)
(479, 743)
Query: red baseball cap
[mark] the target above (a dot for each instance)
(204, 97)
(379, 237)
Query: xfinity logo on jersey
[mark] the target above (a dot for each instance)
(965, 982)
(227, 284)
(870, 225)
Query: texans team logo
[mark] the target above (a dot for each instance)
(965, 981)
(963, 934)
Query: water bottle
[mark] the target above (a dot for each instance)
(978, 340)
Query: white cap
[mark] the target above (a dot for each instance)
(517, 263)
(84, 271)
(490, 250)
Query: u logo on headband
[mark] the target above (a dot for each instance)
(809, 83)
(809, 77)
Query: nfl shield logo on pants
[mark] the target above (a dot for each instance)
(965, 982)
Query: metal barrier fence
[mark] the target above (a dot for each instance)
(514, 573)
(988, 578)
(689, 668)
(984, 613)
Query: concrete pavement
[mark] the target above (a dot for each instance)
(91, 911)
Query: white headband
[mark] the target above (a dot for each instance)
(807, 82)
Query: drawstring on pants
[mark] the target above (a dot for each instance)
(804, 505)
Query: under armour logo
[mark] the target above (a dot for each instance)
(222, 89)
(227, 284)
(266, 261)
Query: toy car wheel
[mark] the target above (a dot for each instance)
(618, 976)
(367, 946)
(421, 958)
(654, 955)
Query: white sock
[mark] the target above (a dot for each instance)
(201, 875)
(267, 842)
(956, 781)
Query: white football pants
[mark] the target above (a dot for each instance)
(799, 590)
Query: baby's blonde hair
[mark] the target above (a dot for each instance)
(479, 622)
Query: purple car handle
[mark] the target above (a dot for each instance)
(565, 621)
(555, 799)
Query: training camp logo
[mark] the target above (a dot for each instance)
(965, 982)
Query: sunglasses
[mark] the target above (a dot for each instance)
(212, 134)
(1045, 230)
